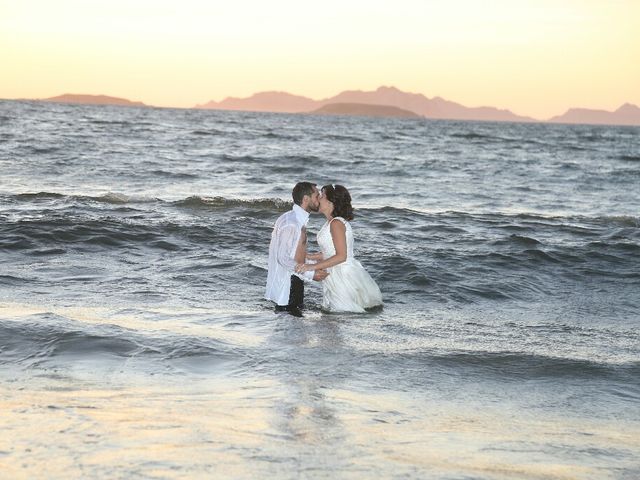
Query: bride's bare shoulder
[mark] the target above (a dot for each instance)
(339, 226)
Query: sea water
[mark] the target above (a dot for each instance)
(135, 341)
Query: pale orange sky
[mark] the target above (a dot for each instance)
(534, 57)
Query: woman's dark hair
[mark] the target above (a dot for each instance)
(341, 199)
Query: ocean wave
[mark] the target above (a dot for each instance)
(11, 280)
(297, 159)
(527, 230)
(615, 220)
(42, 150)
(449, 256)
(38, 195)
(58, 233)
(240, 158)
(121, 123)
(612, 245)
(279, 136)
(390, 212)
(49, 339)
(495, 139)
(462, 274)
(179, 175)
(518, 240)
(272, 204)
(532, 366)
(578, 148)
(542, 256)
(472, 136)
(568, 220)
(110, 197)
(117, 198)
(211, 132)
(340, 138)
(628, 158)
(502, 365)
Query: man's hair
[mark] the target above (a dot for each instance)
(300, 190)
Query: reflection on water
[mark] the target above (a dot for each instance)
(291, 398)
(305, 418)
(242, 428)
(130, 431)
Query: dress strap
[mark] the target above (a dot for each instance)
(338, 218)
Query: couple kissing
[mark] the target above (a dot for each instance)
(346, 285)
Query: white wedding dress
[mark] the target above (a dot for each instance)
(348, 288)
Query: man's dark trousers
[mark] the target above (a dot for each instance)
(296, 297)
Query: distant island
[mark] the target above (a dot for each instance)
(93, 100)
(435, 108)
(382, 102)
(627, 114)
(276, 102)
(431, 108)
(364, 110)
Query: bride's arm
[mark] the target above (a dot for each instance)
(339, 236)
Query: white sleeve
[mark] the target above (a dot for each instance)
(287, 243)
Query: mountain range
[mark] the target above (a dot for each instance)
(435, 108)
(386, 102)
(627, 114)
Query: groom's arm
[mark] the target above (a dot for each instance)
(288, 245)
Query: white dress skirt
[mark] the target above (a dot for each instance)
(348, 288)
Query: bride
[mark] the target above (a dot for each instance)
(348, 288)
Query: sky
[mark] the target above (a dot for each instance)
(534, 57)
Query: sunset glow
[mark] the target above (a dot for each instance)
(534, 57)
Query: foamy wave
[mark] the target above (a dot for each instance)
(223, 202)
(110, 197)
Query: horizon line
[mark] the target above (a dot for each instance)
(139, 103)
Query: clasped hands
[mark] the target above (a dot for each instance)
(318, 275)
(303, 267)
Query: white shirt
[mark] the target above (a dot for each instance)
(282, 251)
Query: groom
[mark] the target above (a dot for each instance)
(288, 248)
